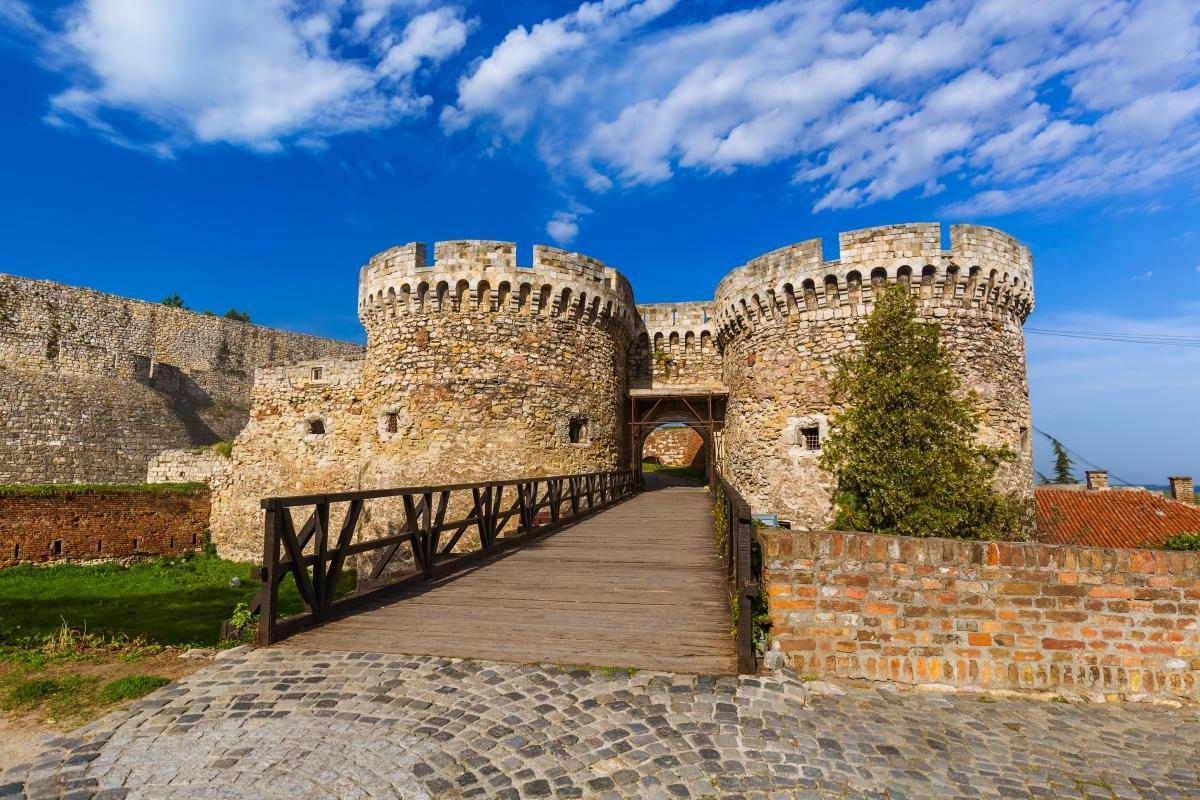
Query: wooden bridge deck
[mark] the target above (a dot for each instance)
(637, 585)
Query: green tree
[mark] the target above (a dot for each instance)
(174, 301)
(240, 316)
(1064, 467)
(904, 450)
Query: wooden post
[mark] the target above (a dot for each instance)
(270, 570)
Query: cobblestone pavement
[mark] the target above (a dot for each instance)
(291, 724)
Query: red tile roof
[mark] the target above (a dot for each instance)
(1111, 517)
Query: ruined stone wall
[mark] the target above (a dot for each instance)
(676, 347)
(985, 614)
(92, 386)
(785, 317)
(304, 436)
(674, 447)
(476, 369)
(89, 525)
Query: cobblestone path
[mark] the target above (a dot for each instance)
(301, 724)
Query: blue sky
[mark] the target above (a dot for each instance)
(254, 153)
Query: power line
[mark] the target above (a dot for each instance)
(1129, 338)
(1078, 457)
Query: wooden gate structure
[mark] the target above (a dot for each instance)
(703, 410)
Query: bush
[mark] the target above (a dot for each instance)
(1183, 541)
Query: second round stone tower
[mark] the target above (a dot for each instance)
(477, 369)
(785, 317)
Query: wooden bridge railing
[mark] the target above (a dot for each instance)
(743, 585)
(316, 555)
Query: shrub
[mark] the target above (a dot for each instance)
(1183, 541)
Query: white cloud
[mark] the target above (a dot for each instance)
(1030, 104)
(255, 73)
(563, 227)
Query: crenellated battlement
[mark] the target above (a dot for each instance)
(985, 271)
(484, 275)
(671, 326)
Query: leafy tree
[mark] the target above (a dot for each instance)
(240, 316)
(1063, 465)
(174, 301)
(904, 450)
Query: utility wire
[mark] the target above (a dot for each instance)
(1078, 457)
(1130, 338)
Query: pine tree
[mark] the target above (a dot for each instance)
(174, 301)
(1064, 467)
(904, 450)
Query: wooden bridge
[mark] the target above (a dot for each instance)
(600, 570)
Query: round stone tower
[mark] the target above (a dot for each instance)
(477, 369)
(786, 316)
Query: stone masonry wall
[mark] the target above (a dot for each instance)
(476, 369)
(786, 317)
(73, 525)
(674, 447)
(675, 348)
(186, 466)
(92, 386)
(985, 614)
(277, 453)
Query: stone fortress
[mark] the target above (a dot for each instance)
(479, 369)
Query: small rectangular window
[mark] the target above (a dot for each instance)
(316, 427)
(135, 545)
(811, 438)
(577, 430)
(99, 545)
(56, 547)
(393, 422)
(317, 372)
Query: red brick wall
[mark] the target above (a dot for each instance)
(997, 615)
(674, 447)
(98, 524)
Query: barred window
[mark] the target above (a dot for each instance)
(811, 437)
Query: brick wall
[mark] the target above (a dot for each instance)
(674, 447)
(996, 615)
(84, 525)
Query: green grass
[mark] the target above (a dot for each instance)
(73, 696)
(679, 472)
(166, 601)
(130, 687)
(70, 489)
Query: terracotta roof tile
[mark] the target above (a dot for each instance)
(1112, 517)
